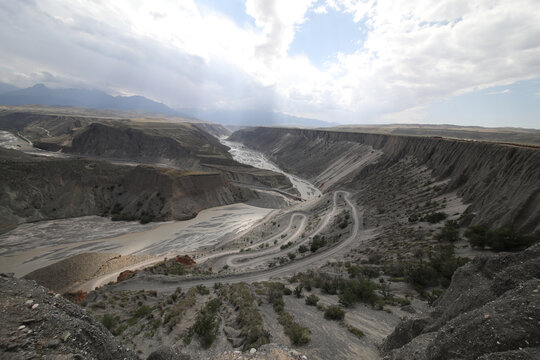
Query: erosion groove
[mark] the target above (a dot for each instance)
(499, 181)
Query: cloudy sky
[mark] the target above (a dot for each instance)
(349, 61)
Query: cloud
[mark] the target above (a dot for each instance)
(414, 53)
(277, 19)
(320, 10)
(505, 91)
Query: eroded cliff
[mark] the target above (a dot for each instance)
(500, 182)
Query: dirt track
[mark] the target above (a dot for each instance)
(165, 283)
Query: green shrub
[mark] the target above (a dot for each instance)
(202, 290)
(142, 311)
(206, 324)
(435, 217)
(334, 312)
(287, 291)
(505, 238)
(477, 236)
(299, 335)
(298, 291)
(450, 232)
(312, 300)
(109, 321)
(317, 243)
(355, 331)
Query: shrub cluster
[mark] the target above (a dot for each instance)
(299, 335)
(437, 271)
(317, 243)
(206, 324)
(334, 312)
(350, 291)
(450, 232)
(248, 317)
(505, 238)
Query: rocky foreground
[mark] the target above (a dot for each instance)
(490, 311)
(40, 324)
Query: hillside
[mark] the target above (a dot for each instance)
(37, 188)
(500, 182)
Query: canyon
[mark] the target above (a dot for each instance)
(322, 243)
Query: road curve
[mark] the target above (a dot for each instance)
(167, 283)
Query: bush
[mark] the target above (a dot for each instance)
(298, 291)
(299, 335)
(109, 321)
(202, 290)
(287, 291)
(317, 243)
(302, 249)
(142, 311)
(450, 232)
(312, 300)
(206, 324)
(334, 312)
(355, 331)
(505, 238)
(435, 217)
(248, 316)
(477, 236)
(438, 271)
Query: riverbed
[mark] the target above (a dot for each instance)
(248, 156)
(35, 245)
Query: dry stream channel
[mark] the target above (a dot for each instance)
(32, 246)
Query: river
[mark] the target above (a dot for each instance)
(34, 245)
(247, 156)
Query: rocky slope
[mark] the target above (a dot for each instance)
(36, 323)
(490, 311)
(35, 188)
(500, 182)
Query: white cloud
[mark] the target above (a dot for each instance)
(505, 91)
(415, 52)
(320, 10)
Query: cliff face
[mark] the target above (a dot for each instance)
(490, 311)
(500, 182)
(33, 189)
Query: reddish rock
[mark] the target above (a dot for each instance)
(185, 260)
(76, 296)
(125, 275)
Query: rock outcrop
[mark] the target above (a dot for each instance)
(499, 181)
(36, 323)
(490, 311)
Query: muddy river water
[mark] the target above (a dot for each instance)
(32, 246)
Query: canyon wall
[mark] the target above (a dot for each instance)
(500, 182)
(33, 189)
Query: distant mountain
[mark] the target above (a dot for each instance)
(5, 87)
(40, 94)
(255, 118)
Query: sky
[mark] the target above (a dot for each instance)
(346, 61)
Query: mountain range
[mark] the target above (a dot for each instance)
(97, 99)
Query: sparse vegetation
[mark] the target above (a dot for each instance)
(334, 312)
(206, 324)
(505, 238)
(312, 300)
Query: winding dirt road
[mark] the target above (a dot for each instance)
(167, 283)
